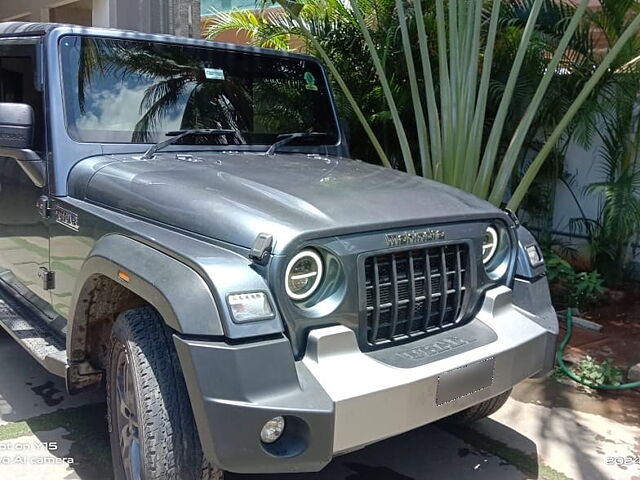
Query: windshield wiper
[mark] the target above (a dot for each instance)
(178, 134)
(288, 137)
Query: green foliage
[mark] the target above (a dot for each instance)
(455, 90)
(599, 372)
(618, 219)
(588, 289)
(570, 288)
(558, 269)
(603, 70)
(329, 30)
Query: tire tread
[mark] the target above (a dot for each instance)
(170, 439)
(481, 410)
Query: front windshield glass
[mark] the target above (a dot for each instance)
(131, 91)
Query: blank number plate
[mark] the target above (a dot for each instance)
(464, 381)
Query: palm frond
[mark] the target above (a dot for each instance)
(156, 102)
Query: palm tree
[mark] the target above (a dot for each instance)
(619, 191)
(618, 126)
(333, 25)
(427, 82)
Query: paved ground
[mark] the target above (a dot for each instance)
(547, 430)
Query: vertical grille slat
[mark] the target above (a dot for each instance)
(458, 283)
(395, 299)
(414, 293)
(444, 287)
(376, 304)
(429, 293)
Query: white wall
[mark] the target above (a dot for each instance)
(102, 13)
(584, 165)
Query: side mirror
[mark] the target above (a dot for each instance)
(16, 140)
(16, 126)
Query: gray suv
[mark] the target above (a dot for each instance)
(180, 222)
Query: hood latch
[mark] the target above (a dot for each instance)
(262, 246)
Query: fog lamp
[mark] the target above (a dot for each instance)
(250, 306)
(272, 430)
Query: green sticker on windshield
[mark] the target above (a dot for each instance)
(311, 81)
(213, 74)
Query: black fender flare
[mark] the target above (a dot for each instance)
(176, 291)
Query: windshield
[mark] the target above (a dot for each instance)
(131, 91)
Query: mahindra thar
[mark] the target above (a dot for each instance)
(180, 222)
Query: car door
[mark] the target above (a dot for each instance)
(24, 238)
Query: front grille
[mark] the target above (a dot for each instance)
(407, 295)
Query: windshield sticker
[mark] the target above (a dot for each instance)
(214, 74)
(311, 81)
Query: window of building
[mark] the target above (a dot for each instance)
(209, 7)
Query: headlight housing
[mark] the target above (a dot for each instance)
(489, 244)
(496, 251)
(303, 274)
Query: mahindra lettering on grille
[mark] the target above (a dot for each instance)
(414, 293)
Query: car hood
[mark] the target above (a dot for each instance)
(232, 197)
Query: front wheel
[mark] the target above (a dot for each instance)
(481, 410)
(151, 427)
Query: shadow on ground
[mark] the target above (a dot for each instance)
(428, 452)
(434, 451)
(34, 403)
(546, 424)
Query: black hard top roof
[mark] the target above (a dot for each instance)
(31, 29)
(8, 29)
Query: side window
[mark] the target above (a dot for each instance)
(17, 84)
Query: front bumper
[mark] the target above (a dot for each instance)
(338, 399)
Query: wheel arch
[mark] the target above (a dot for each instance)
(122, 273)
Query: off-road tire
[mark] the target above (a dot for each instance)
(480, 411)
(168, 440)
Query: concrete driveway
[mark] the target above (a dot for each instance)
(46, 434)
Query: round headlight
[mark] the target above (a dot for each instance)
(303, 275)
(496, 249)
(490, 244)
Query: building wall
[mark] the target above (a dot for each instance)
(584, 166)
(179, 17)
(184, 18)
(71, 14)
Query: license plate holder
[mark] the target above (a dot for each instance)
(464, 381)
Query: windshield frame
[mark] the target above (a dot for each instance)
(214, 46)
(65, 152)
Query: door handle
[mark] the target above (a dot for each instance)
(43, 206)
